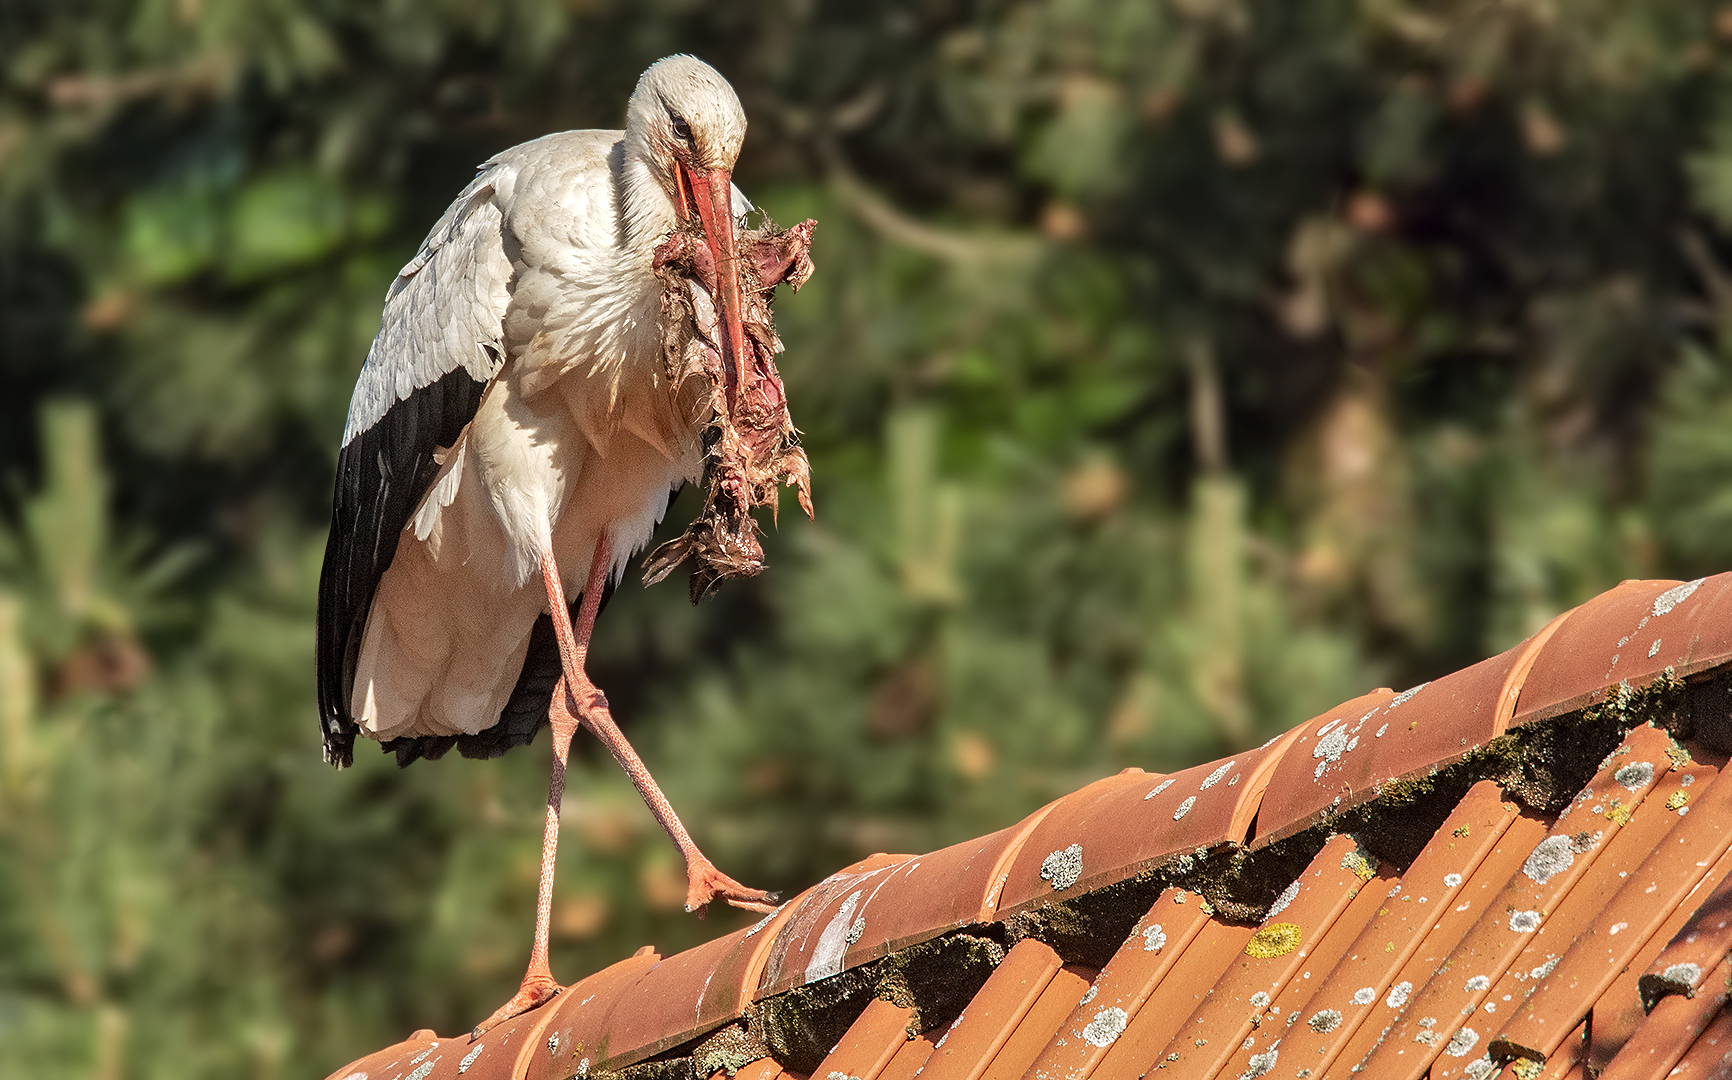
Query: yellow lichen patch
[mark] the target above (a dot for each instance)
(1618, 813)
(1678, 799)
(1526, 1068)
(1363, 866)
(1276, 939)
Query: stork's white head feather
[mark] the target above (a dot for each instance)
(683, 112)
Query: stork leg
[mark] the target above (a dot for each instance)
(576, 692)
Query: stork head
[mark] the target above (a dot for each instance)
(684, 118)
(685, 122)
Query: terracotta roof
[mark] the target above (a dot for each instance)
(1521, 866)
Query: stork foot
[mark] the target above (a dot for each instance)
(706, 883)
(536, 991)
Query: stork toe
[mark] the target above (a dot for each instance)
(706, 883)
(536, 991)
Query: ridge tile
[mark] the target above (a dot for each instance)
(580, 1019)
(820, 924)
(1628, 635)
(1114, 827)
(1349, 754)
(1297, 795)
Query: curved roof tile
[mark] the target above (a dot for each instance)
(1509, 926)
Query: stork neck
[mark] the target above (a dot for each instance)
(647, 211)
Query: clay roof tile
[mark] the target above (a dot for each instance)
(1487, 943)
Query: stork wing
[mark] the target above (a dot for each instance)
(439, 344)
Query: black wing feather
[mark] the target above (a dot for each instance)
(382, 475)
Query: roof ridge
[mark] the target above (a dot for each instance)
(1600, 654)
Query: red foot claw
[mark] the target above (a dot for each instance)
(706, 883)
(534, 993)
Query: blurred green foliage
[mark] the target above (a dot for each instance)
(1173, 371)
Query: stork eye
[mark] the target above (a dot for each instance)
(682, 129)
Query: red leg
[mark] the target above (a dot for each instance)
(704, 882)
(539, 985)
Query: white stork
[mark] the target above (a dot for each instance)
(514, 430)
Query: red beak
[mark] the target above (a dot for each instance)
(712, 194)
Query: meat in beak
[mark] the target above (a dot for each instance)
(712, 193)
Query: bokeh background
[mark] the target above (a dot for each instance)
(1174, 370)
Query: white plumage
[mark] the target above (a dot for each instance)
(512, 422)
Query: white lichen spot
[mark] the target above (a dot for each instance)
(1381, 730)
(1617, 928)
(1524, 922)
(1677, 594)
(1686, 780)
(1398, 993)
(1106, 1027)
(469, 1058)
(1329, 749)
(1062, 868)
(1154, 938)
(1635, 775)
(1260, 1064)
(1233, 781)
(1365, 995)
(1406, 695)
(1654, 649)
(1550, 857)
(1546, 968)
(1490, 1006)
(1184, 807)
(1450, 881)
(423, 1071)
(1478, 983)
(1394, 889)
(1481, 1068)
(763, 922)
(1461, 1042)
(583, 1067)
(1090, 996)
(1160, 787)
(1288, 895)
(1215, 777)
(1260, 1000)
(1686, 975)
(1249, 1042)
(1323, 1021)
(553, 1044)
(1428, 1021)
(833, 942)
